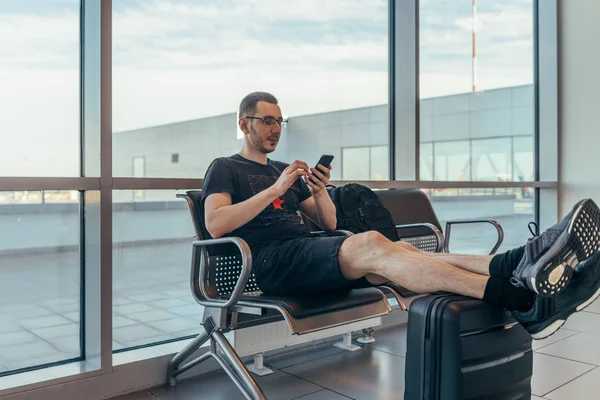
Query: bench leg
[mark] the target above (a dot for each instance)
(243, 380)
(258, 368)
(367, 336)
(346, 344)
(227, 359)
(173, 369)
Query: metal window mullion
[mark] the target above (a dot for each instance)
(48, 183)
(106, 230)
(417, 116)
(391, 88)
(546, 133)
(96, 314)
(404, 109)
(155, 183)
(446, 184)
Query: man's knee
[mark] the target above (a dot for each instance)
(371, 239)
(406, 246)
(358, 252)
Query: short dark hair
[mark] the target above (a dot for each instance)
(248, 104)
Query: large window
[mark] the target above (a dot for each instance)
(513, 208)
(40, 264)
(39, 278)
(39, 95)
(151, 256)
(476, 82)
(73, 231)
(452, 161)
(177, 86)
(365, 163)
(176, 90)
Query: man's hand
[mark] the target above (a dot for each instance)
(319, 206)
(317, 180)
(290, 175)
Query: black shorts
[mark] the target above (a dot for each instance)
(301, 265)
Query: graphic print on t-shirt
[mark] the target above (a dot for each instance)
(282, 208)
(277, 203)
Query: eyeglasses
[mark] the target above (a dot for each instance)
(269, 121)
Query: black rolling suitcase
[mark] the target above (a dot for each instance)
(463, 348)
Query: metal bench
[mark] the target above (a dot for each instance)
(222, 281)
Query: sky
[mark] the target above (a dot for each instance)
(185, 59)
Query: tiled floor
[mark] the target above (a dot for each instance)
(39, 302)
(565, 368)
(39, 296)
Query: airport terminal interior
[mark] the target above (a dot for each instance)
(483, 113)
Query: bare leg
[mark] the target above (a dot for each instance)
(370, 253)
(376, 279)
(474, 263)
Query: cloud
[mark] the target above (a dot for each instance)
(226, 34)
(30, 40)
(504, 45)
(178, 60)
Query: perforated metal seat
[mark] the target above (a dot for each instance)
(228, 268)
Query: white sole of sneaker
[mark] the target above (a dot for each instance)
(552, 328)
(589, 301)
(580, 241)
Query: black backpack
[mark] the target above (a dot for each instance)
(358, 209)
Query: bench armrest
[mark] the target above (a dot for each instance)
(495, 223)
(200, 288)
(434, 230)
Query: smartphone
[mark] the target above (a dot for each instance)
(325, 161)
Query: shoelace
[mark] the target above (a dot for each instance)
(534, 229)
(535, 233)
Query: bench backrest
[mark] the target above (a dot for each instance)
(408, 206)
(224, 262)
(412, 206)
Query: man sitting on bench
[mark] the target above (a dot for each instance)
(251, 196)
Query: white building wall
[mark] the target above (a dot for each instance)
(579, 104)
(496, 113)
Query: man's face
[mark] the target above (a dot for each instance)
(262, 136)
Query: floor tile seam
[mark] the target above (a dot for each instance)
(387, 352)
(558, 341)
(303, 362)
(152, 395)
(44, 340)
(314, 383)
(566, 383)
(307, 394)
(570, 359)
(305, 380)
(36, 339)
(590, 311)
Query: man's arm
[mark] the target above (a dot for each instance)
(321, 210)
(319, 207)
(222, 217)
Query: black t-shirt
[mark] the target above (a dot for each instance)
(243, 178)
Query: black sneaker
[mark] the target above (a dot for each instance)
(550, 257)
(548, 314)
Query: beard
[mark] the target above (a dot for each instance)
(262, 145)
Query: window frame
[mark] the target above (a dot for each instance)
(96, 183)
